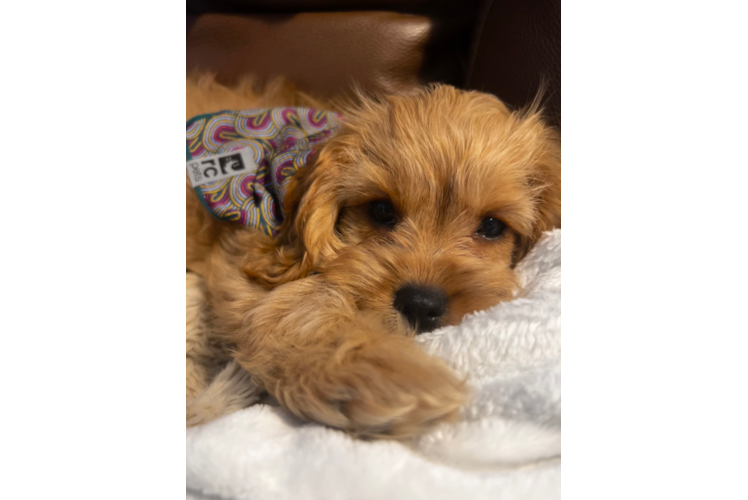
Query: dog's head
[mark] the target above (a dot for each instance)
(422, 206)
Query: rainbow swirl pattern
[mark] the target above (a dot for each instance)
(280, 141)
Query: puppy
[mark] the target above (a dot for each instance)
(414, 215)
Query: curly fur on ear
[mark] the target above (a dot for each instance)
(547, 204)
(277, 260)
(545, 179)
(307, 235)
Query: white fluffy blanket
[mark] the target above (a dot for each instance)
(507, 445)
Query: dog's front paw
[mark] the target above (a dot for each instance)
(379, 387)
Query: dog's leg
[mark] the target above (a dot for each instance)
(323, 360)
(230, 391)
(206, 354)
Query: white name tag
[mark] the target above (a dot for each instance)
(222, 166)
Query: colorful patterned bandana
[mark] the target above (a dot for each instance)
(239, 161)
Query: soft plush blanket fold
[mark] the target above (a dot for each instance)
(506, 446)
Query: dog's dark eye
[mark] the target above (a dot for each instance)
(382, 212)
(491, 228)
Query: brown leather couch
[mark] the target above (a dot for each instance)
(506, 47)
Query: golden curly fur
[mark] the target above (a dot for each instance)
(311, 312)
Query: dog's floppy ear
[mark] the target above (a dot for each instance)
(545, 183)
(546, 214)
(307, 235)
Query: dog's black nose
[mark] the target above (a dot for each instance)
(422, 306)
